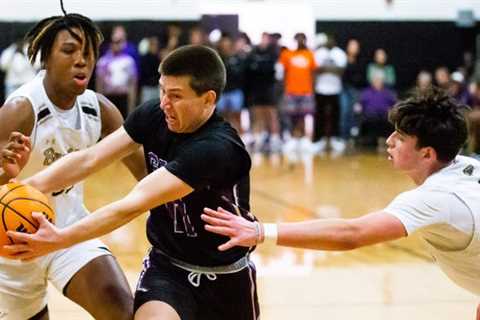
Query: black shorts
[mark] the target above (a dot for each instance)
(230, 296)
(263, 96)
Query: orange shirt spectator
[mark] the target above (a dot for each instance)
(299, 66)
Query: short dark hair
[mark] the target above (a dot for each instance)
(201, 63)
(42, 36)
(435, 119)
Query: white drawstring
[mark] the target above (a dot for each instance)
(194, 277)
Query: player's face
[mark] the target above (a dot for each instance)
(403, 152)
(185, 111)
(69, 65)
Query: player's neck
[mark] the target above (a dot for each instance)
(419, 176)
(59, 99)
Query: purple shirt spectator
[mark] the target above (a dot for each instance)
(376, 102)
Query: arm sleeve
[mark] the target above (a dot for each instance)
(418, 209)
(204, 163)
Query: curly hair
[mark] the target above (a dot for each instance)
(436, 119)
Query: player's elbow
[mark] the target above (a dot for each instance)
(350, 236)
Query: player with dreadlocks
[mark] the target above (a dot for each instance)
(50, 116)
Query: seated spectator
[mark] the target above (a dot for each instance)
(374, 103)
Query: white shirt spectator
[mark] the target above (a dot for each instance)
(329, 83)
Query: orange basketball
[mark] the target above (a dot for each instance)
(17, 203)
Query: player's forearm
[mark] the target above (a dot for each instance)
(64, 172)
(100, 222)
(331, 234)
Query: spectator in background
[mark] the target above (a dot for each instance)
(17, 67)
(375, 102)
(424, 81)
(331, 62)
(299, 67)
(379, 64)
(260, 85)
(353, 82)
(149, 76)
(198, 36)
(442, 77)
(173, 40)
(116, 77)
(232, 100)
(458, 89)
(119, 34)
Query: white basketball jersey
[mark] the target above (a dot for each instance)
(56, 133)
(462, 178)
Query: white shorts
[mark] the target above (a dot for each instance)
(23, 285)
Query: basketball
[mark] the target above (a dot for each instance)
(17, 203)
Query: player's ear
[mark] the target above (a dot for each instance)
(210, 98)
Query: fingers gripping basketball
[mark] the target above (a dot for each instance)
(17, 203)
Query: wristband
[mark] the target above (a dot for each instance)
(270, 233)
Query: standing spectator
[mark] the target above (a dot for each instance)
(116, 77)
(18, 69)
(261, 81)
(424, 81)
(149, 76)
(197, 36)
(375, 103)
(331, 62)
(299, 66)
(442, 77)
(232, 100)
(353, 82)
(173, 40)
(379, 64)
(119, 34)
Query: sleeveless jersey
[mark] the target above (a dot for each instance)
(55, 134)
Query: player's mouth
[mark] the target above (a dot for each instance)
(81, 79)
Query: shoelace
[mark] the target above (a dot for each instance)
(194, 277)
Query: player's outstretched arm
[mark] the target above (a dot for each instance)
(322, 234)
(76, 166)
(157, 188)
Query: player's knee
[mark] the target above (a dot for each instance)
(119, 305)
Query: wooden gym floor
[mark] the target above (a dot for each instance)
(397, 280)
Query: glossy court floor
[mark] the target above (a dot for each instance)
(391, 281)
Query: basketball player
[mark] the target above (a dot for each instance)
(444, 208)
(195, 159)
(57, 115)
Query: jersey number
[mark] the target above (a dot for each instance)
(181, 219)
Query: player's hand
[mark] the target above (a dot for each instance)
(47, 239)
(242, 232)
(15, 154)
(478, 312)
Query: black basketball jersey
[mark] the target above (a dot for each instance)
(214, 162)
